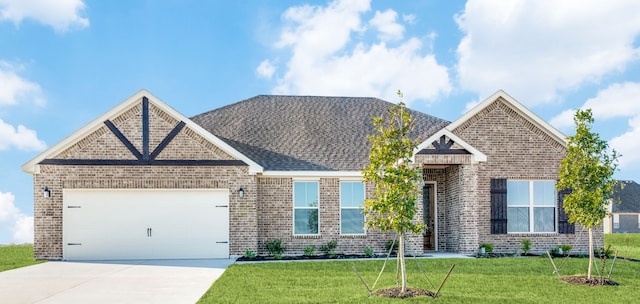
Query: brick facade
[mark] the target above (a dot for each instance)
(103, 144)
(515, 149)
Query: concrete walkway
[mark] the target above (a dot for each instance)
(156, 281)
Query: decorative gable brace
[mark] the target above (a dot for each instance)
(144, 158)
(438, 144)
(147, 156)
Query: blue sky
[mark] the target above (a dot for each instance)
(65, 62)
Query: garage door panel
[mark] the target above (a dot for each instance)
(145, 224)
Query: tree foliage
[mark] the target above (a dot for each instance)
(390, 170)
(587, 171)
(395, 179)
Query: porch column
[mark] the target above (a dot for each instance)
(469, 216)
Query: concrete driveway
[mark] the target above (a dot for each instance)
(157, 281)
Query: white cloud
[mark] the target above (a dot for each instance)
(617, 102)
(61, 15)
(410, 18)
(11, 218)
(266, 69)
(14, 89)
(21, 138)
(326, 60)
(539, 49)
(386, 24)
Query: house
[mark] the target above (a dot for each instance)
(142, 181)
(624, 211)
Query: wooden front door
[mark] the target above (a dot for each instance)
(428, 199)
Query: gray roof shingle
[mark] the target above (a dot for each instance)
(300, 133)
(629, 197)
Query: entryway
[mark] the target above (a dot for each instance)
(429, 217)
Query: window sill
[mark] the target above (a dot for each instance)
(353, 236)
(533, 234)
(307, 236)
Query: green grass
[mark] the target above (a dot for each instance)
(504, 280)
(16, 256)
(627, 244)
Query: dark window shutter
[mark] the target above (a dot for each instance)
(498, 206)
(563, 220)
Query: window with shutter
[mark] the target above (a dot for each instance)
(498, 206)
(563, 219)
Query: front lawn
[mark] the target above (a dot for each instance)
(499, 280)
(16, 256)
(627, 244)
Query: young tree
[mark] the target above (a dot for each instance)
(396, 181)
(587, 171)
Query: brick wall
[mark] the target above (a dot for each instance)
(275, 219)
(515, 149)
(102, 144)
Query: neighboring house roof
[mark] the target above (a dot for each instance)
(626, 197)
(32, 166)
(305, 133)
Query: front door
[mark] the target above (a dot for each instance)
(428, 198)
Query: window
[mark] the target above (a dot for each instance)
(616, 221)
(531, 206)
(351, 208)
(305, 207)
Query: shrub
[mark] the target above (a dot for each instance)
(309, 250)
(602, 252)
(368, 252)
(275, 247)
(329, 248)
(388, 244)
(566, 248)
(249, 254)
(488, 247)
(526, 246)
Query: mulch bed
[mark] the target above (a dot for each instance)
(584, 280)
(396, 292)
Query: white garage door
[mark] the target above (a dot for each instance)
(101, 224)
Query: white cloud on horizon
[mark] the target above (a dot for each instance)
(21, 138)
(617, 102)
(329, 58)
(266, 69)
(61, 15)
(536, 50)
(12, 219)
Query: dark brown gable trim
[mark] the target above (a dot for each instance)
(145, 128)
(123, 139)
(167, 140)
(498, 206)
(133, 162)
(564, 226)
(443, 147)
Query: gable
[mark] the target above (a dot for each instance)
(141, 131)
(445, 142)
(513, 110)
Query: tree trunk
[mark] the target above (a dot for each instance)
(590, 253)
(403, 270)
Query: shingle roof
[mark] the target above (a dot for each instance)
(287, 133)
(629, 197)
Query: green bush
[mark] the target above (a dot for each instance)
(388, 244)
(368, 252)
(249, 254)
(309, 250)
(329, 248)
(526, 246)
(275, 247)
(488, 247)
